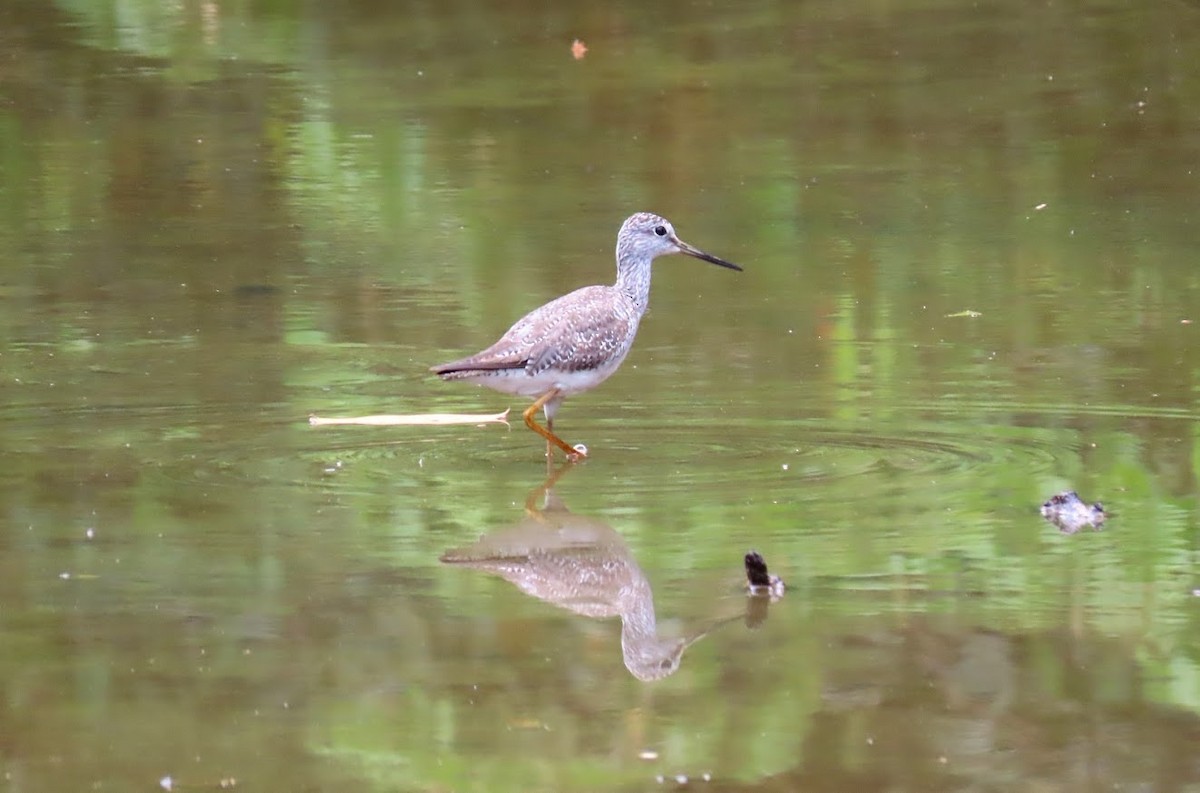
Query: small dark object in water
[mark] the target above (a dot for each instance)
(1070, 513)
(255, 290)
(758, 580)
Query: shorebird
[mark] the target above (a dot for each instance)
(574, 343)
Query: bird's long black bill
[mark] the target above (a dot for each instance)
(708, 257)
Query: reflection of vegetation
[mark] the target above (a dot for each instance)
(219, 217)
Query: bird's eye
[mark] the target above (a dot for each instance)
(660, 231)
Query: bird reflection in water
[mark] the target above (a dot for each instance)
(583, 565)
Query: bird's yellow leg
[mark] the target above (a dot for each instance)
(531, 411)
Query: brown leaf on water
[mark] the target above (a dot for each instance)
(578, 49)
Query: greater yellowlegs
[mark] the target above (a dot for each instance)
(575, 342)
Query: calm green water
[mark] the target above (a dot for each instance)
(220, 218)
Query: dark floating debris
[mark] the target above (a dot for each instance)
(1070, 513)
(759, 581)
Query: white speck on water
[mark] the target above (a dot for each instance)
(648, 754)
(785, 466)
(166, 783)
(64, 576)
(90, 533)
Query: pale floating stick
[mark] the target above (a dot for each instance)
(418, 419)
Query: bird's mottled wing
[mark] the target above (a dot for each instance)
(500, 355)
(597, 330)
(575, 332)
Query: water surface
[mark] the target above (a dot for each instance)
(969, 243)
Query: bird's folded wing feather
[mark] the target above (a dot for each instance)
(576, 332)
(587, 338)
